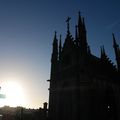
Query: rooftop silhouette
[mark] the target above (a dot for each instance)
(82, 85)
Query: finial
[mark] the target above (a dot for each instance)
(68, 26)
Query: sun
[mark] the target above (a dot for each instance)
(14, 93)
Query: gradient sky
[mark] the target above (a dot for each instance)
(26, 34)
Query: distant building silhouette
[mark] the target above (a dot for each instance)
(83, 86)
(20, 113)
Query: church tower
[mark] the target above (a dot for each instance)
(80, 83)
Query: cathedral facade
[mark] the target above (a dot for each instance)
(83, 86)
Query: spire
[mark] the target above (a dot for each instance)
(114, 41)
(84, 27)
(82, 39)
(106, 64)
(103, 54)
(60, 44)
(79, 19)
(55, 48)
(117, 51)
(103, 50)
(60, 48)
(79, 24)
(54, 58)
(55, 36)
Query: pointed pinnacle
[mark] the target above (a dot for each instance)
(79, 18)
(114, 40)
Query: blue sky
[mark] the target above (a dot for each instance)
(27, 30)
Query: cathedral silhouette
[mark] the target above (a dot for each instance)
(83, 86)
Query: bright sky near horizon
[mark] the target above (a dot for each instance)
(26, 33)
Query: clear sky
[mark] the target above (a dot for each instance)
(26, 34)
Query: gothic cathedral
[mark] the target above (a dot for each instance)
(83, 86)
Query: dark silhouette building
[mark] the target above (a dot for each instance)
(83, 86)
(20, 113)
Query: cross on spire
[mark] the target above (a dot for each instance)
(68, 27)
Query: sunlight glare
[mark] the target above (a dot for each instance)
(14, 94)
